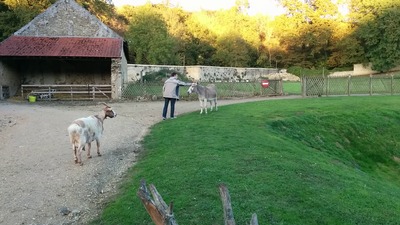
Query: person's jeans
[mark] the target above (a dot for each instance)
(166, 103)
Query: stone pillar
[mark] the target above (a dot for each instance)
(116, 85)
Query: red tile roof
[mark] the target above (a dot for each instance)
(32, 46)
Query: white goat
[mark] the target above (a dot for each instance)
(84, 131)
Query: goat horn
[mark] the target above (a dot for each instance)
(103, 103)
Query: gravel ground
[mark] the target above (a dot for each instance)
(39, 182)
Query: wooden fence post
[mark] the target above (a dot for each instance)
(72, 95)
(160, 213)
(226, 203)
(254, 220)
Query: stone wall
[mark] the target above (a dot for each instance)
(201, 73)
(119, 75)
(360, 69)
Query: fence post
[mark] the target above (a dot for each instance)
(348, 85)
(303, 86)
(94, 93)
(72, 97)
(88, 90)
(327, 86)
(370, 84)
(391, 85)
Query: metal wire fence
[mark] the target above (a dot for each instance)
(352, 85)
(153, 90)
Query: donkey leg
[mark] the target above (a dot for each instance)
(201, 106)
(205, 105)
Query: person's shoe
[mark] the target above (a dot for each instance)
(163, 118)
(173, 117)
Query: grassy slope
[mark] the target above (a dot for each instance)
(303, 161)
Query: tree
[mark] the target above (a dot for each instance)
(175, 19)
(307, 31)
(362, 11)
(149, 40)
(232, 51)
(380, 39)
(16, 13)
(105, 11)
(268, 42)
(346, 49)
(202, 40)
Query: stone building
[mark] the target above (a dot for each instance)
(66, 44)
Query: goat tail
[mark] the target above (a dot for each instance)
(73, 131)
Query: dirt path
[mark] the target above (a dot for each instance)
(40, 184)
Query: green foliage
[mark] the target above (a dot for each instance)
(300, 71)
(15, 14)
(106, 13)
(232, 51)
(303, 161)
(149, 39)
(381, 38)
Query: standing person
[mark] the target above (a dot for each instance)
(171, 93)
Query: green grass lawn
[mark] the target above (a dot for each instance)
(300, 161)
